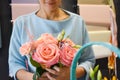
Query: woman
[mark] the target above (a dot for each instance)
(52, 19)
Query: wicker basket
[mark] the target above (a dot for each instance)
(78, 55)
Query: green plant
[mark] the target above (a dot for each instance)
(95, 74)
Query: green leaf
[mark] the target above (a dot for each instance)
(60, 65)
(36, 76)
(61, 35)
(99, 75)
(96, 69)
(77, 46)
(38, 73)
(92, 75)
(40, 70)
(34, 63)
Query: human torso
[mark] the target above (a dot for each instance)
(33, 26)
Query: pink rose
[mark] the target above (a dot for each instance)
(46, 54)
(68, 41)
(67, 54)
(46, 38)
(26, 48)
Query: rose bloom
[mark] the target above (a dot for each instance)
(26, 48)
(46, 54)
(68, 41)
(45, 38)
(66, 55)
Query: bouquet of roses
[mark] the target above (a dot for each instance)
(47, 51)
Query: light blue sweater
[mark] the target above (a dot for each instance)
(32, 25)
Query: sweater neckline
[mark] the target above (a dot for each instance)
(66, 19)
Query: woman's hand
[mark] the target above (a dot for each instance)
(59, 73)
(44, 76)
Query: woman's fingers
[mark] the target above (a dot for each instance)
(56, 68)
(51, 71)
(44, 78)
(44, 74)
(50, 77)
